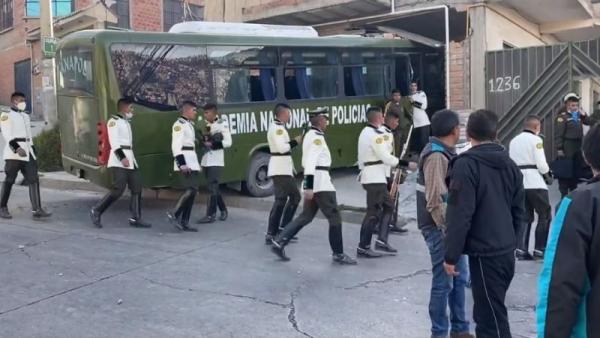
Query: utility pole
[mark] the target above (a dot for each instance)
(48, 96)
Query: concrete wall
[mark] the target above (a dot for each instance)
(504, 25)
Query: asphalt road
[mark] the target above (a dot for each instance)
(64, 278)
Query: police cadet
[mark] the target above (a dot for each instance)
(19, 155)
(527, 151)
(374, 159)
(568, 134)
(183, 146)
(216, 139)
(421, 123)
(403, 107)
(281, 171)
(319, 192)
(123, 167)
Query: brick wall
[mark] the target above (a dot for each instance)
(147, 15)
(459, 75)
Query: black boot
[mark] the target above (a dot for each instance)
(4, 195)
(135, 206)
(222, 208)
(288, 214)
(278, 248)
(176, 216)
(211, 211)
(36, 202)
(98, 209)
(274, 221)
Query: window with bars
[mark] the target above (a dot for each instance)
(6, 14)
(59, 7)
(174, 11)
(121, 10)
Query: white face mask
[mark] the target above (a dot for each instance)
(128, 116)
(21, 106)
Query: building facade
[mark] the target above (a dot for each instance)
(20, 46)
(474, 28)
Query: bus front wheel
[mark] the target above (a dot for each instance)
(258, 183)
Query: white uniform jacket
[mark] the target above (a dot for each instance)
(280, 147)
(374, 156)
(183, 144)
(316, 161)
(527, 151)
(420, 118)
(388, 137)
(216, 157)
(121, 142)
(16, 131)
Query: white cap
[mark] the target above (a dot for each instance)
(571, 95)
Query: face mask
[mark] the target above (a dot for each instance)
(129, 116)
(21, 106)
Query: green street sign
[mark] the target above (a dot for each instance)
(49, 47)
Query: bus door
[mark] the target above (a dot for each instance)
(78, 110)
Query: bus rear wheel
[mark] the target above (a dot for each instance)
(258, 183)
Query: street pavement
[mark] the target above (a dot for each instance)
(64, 278)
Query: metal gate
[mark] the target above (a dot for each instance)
(23, 80)
(533, 81)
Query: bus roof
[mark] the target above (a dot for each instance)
(243, 29)
(108, 37)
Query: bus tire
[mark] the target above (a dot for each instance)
(257, 183)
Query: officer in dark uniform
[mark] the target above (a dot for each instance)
(568, 135)
(20, 155)
(403, 107)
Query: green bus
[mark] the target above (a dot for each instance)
(245, 75)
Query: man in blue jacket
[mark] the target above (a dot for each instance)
(569, 284)
(486, 209)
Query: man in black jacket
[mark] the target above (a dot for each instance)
(485, 212)
(569, 284)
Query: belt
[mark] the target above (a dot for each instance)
(187, 148)
(322, 168)
(527, 166)
(282, 154)
(22, 139)
(126, 147)
(366, 164)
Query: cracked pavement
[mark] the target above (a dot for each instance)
(64, 278)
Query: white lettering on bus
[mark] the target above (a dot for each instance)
(246, 122)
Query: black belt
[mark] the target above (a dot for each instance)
(22, 139)
(281, 154)
(527, 166)
(366, 164)
(322, 168)
(126, 147)
(187, 148)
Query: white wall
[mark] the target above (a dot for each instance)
(505, 25)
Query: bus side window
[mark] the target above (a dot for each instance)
(364, 73)
(243, 74)
(310, 73)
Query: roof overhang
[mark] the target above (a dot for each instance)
(313, 12)
(78, 20)
(566, 20)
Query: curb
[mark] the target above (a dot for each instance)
(232, 198)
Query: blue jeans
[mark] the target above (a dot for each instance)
(446, 291)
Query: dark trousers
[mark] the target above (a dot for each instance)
(490, 279)
(213, 174)
(122, 178)
(29, 170)
(378, 204)
(536, 201)
(419, 139)
(183, 208)
(325, 201)
(287, 198)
